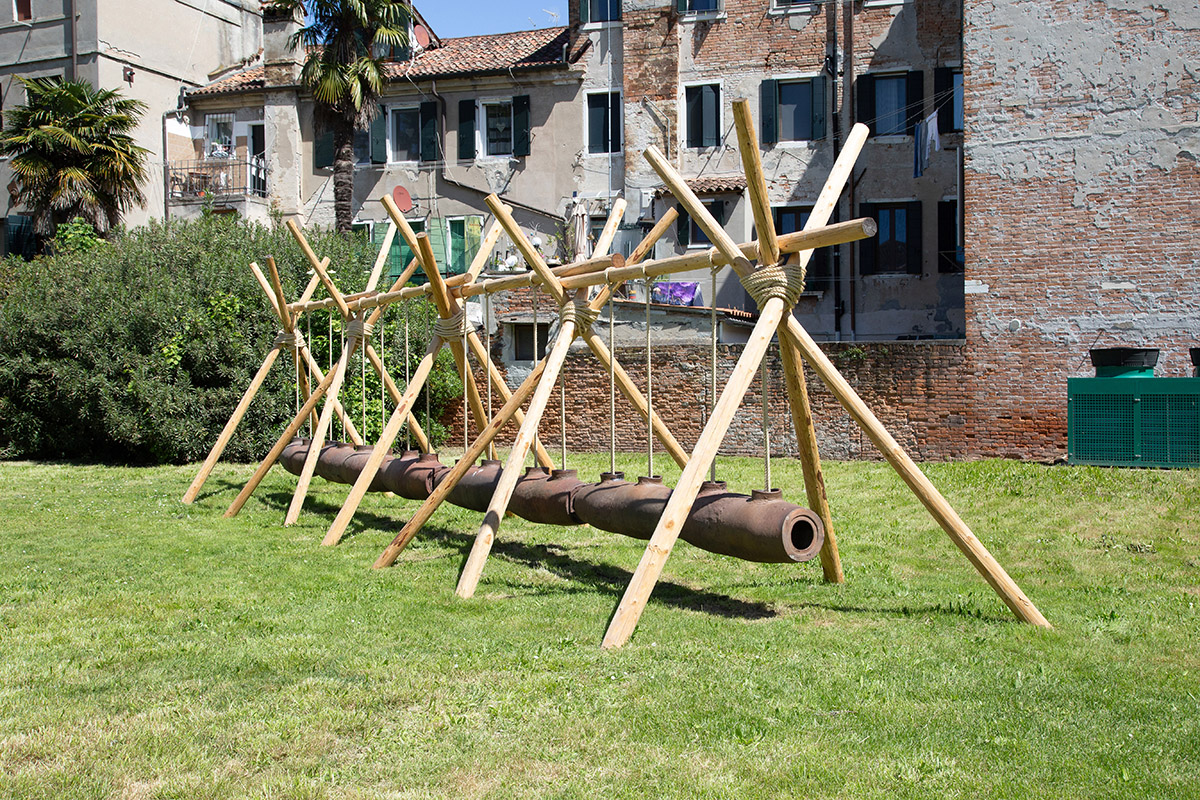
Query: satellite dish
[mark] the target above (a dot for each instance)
(421, 35)
(403, 199)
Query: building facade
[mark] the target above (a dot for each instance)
(151, 50)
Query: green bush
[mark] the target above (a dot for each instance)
(137, 350)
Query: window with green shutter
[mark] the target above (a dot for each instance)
(793, 110)
(692, 235)
(703, 115)
(891, 105)
(401, 253)
(604, 122)
(466, 130)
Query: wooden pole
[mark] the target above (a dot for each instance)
(430, 504)
(351, 431)
(793, 367)
(684, 494)
(394, 392)
(469, 578)
(231, 425)
(367, 475)
(381, 259)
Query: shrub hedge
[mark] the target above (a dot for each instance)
(137, 349)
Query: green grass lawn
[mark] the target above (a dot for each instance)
(156, 650)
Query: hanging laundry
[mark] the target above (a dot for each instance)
(925, 140)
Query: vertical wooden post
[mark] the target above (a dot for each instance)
(768, 248)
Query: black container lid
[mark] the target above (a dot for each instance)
(1124, 356)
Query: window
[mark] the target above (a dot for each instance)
(604, 122)
(693, 6)
(790, 219)
(498, 128)
(503, 125)
(465, 234)
(599, 11)
(219, 143)
(891, 104)
(524, 347)
(406, 134)
(948, 98)
(703, 114)
(897, 246)
(692, 235)
(793, 110)
(951, 256)
(23, 10)
(789, 5)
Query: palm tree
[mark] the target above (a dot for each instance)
(346, 43)
(72, 153)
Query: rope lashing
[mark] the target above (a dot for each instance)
(360, 329)
(578, 312)
(293, 340)
(784, 281)
(451, 328)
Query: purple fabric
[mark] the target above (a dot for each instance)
(675, 293)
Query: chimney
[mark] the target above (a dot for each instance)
(281, 64)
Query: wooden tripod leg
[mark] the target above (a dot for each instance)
(516, 463)
(680, 503)
(635, 396)
(351, 432)
(464, 370)
(930, 497)
(230, 426)
(302, 379)
(288, 433)
(318, 437)
(367, 475)
(810, 457)
(481, 443)
(395, 393)
(543, 458)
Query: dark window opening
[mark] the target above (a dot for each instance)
(523, 344)
(703, 107)
(951, 254)
(604, 122)
(599, 10)
(891, 104)
(24, 9)
(896, 248)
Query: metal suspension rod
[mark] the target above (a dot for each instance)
(612, 392)
(466, 367)
(537, 442)
(382, 352)
(766, 426)
(407, 427)
(649, 390)
(712, 387)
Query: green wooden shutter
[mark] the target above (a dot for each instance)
(681, 6)
(914, 98)
(693, 116)
(323, 150)
(711, 109)
(818, 107)
(943, 98)
(683, 227)
(717, 209)
(947, 237)
(429, 132)
(913, 231)
(584, 8)
(466, 130)
(379, 137)
(864, 87)
(867, 247)
(437, 241)
(769, 112)
(521, 137)
(474, 235)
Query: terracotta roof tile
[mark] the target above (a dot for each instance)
(719, 184)
(493, 53)
(466, 55)
(251, 78)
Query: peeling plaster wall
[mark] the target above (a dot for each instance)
(1083, 194)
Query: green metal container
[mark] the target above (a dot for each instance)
(1133, 421)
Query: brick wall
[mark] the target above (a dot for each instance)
(915, 388)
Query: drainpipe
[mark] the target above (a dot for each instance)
(848, 115)
(166, 167)
(74, 41)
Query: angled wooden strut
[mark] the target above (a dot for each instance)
(359, 329)
(288, 338)
(418, 520)
(324, 381)
(774, 315)
(449, 308)
(793, 367)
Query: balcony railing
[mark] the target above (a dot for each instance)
(218, 179)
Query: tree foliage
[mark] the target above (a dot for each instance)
(73, 154)
(137, 350)
(347, 44)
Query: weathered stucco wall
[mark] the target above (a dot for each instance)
(1083, 196)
